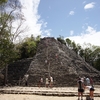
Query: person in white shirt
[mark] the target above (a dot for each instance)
(47, 82)
(91, 89)
(51, 82)
(87, 81)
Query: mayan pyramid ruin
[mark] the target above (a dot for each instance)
(52, 59)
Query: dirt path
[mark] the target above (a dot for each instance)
(42, 93)
(37, 97)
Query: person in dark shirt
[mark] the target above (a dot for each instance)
(80, 89)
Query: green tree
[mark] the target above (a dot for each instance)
(91, 55)
(3, 1)
(61, 40)
(95, 58)
(97, 64)
(89, 52)
(9, 33)
(81, 53)
(68, 42)
(72, 45)
(28, 48)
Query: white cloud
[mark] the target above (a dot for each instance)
(46, 33)
(71, 13)
(30, 11)
(89, 5)
(71, 32)
(89, 36)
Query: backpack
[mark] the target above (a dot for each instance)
(80, 84)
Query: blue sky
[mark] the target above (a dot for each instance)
(78, 20)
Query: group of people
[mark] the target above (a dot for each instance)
(48, 82)
(85, 83)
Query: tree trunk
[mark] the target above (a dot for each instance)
(6, 75)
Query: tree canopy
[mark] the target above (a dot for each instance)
(9, 32)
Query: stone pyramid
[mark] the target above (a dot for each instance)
(52, 59)
(57, 60)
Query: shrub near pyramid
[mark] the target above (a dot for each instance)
(52, 59)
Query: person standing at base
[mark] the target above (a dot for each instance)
(87, 81)
(91, 89)
(41, 82)
(51, 82)
(80, 89)
(91, 81)
(26, 79)
(47, 82)
(92, 93)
